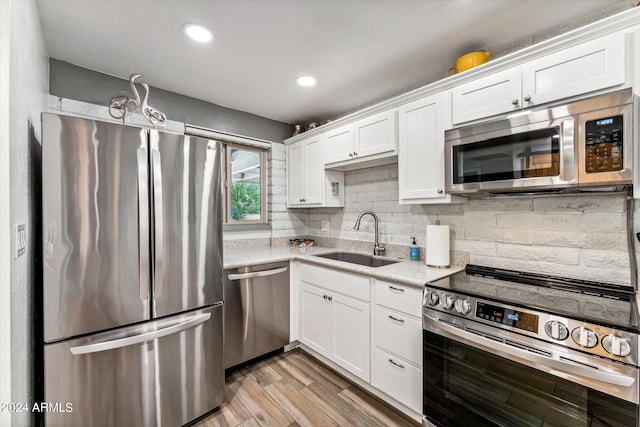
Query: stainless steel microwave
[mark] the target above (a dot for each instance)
(585, 145)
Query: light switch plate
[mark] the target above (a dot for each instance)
(324, 226)
(21, 240)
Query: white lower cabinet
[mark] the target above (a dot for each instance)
(398, 379)
(335, 324)
(351, 337)
(399, 333)
(315, 318)
(397, 343)
(379, 343)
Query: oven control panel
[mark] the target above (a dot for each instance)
(519, 319)
(584, 336)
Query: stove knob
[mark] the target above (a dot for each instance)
(616, 346)
(463, 306)
(556, 330)
(433, 298)
(584, 337)
(446, 302)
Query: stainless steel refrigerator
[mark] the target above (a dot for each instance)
(132, 274)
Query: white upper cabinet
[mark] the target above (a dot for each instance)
(338, 144)
(594, 65)
(308, 184)
(370, 138)
(421, 126)
(591, 66)
(375, 135)
(487, 96)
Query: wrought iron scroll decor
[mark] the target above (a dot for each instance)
(121, 107)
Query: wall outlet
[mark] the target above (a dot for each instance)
(324, 226)
(21, 241)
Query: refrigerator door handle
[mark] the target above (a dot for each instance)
(158, 225)
(143, 223)
(137, 339)
(262, 273)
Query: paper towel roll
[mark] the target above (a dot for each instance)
(437, 254)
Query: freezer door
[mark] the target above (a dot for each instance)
(187, 217)
(95, 226)
(159, 373)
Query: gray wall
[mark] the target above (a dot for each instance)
(24, 87)
(71, 81)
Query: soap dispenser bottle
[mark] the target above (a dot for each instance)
(414, 250)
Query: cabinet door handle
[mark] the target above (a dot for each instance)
(355, 154)
(350, 154)
(330, 298)
(396, 319)
(515, 101)
(440, 191)
(399, 365)
(527, 98)
(396, 289)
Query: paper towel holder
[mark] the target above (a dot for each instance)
(441, 260)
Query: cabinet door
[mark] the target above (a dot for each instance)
(375, 135)
(590, 66)
(338, 144)
(351, 335)
(316, 319)
(314, 172)
(398, 378)
(399, 334)
(487, 96)
(296, 180)
(421, 149)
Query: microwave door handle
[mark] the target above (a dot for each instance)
(542, 361)
(567, 150)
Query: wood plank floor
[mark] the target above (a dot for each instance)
(294, 389)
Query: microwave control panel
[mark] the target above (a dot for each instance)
(603, 144)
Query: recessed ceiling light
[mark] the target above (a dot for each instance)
(197, 32)
(306, 81)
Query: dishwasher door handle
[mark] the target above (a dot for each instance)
(253, 274)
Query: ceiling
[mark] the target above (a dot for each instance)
(360, 51)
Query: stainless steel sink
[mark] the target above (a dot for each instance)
(360, 259)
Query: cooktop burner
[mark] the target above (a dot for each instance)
(606, 304)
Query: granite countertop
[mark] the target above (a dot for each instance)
(413, 273)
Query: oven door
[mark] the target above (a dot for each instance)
(472, 376)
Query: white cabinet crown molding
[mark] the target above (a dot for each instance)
(620, 22)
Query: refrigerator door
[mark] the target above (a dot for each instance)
(95, 226)
(187, 217)
(160, 373)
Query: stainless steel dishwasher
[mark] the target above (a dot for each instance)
(256, 311)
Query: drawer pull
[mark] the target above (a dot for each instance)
(399, 365)
(396, 289)
(396, 319)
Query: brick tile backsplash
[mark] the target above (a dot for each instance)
(575, 236)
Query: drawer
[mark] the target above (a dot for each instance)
(399, 297)
(398, 379)
(398, 333)
(349, 284)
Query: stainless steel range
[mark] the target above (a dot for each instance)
(508, 348)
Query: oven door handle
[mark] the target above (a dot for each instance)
(551, 363)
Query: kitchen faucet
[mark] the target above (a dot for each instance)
(377, 249)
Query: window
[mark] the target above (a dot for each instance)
(245, 185)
